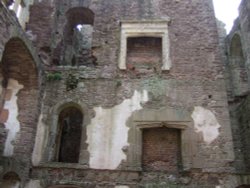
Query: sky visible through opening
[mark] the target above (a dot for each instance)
(226, 11)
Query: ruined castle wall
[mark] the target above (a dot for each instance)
(123, 109)
(237, 50)
(117, 105)
(19, 96)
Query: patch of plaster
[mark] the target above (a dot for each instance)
(121, 186)
(33, 184)
(39, 143)
(107, 133)
(41, 138)
(206, 123)
(12, 124)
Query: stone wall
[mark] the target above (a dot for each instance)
(237, 69)
(118, 106)
(19, 96)
(161, 150)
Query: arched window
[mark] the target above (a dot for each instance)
(78, 36)
(69, 135)
(11, 180)
(239, 77)
(236, 53)
(78, 19)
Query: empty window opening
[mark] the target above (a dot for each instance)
(243, 186)
(10, 4)
(78, 35)
(78, 20)
(10, 180)
(16, 6)
(144, 53)
(161, 150)
(69, 137)
(82, 36)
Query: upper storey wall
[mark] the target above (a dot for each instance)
(192, 31)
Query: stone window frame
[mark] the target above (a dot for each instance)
(51, 145)
(145, 28)
(182, 126)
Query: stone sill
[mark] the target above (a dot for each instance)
(78, 166)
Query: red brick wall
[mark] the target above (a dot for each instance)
(161, 149)
(41, 23)
(18, 64)
(144, 52)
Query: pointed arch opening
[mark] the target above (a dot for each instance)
(236, 52)
(239, 77)
(19, 94)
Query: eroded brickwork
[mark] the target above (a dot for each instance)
(120, 106)
(161, 150)
(237, 69)
(144, 53)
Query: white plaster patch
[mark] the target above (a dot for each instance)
(12, 124)
(39, 143)
(33, 184)
(107, 133)
(206, 123)
(121, 186)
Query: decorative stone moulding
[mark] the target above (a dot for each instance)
(145, 28)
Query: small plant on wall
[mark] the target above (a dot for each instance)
(71, 82)
(53, 76)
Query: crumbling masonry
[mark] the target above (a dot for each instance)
(123, 94)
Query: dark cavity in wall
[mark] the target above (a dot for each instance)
(70, 125)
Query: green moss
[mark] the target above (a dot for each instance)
(54, 76)
(155, 85)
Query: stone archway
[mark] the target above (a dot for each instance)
(19, 98)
